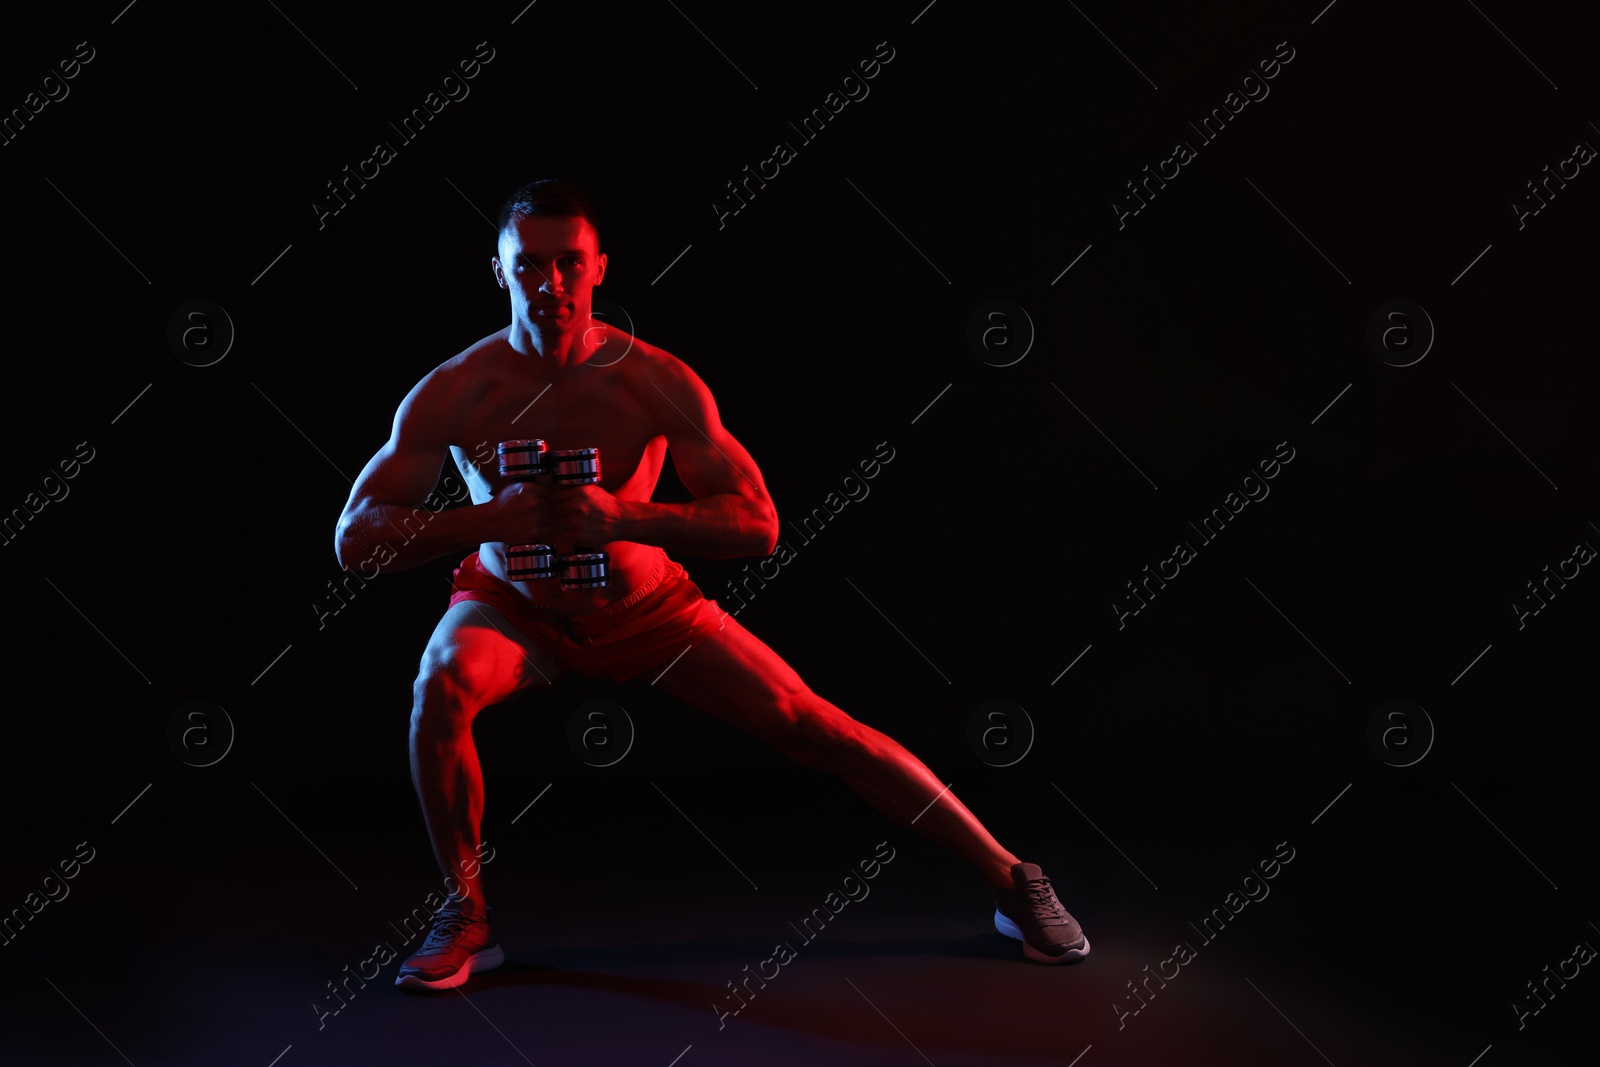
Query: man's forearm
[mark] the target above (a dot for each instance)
(721, 526)
(397, 538)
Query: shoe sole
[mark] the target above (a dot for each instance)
(484, 960)
(1013, 931)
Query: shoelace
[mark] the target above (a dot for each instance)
(1043, 903)
(446, 928)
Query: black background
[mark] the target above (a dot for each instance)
(827, 316)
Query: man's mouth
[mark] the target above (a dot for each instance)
(551, 311)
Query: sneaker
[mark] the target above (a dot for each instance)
(1031, 914)
(457, 946)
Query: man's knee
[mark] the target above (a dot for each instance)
(826, 738)
(444, 695)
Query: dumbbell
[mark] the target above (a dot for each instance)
(524, 459)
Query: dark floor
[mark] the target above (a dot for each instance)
(623, 926)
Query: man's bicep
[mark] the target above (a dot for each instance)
(707, 457)
(399, 475)
(717, 463)
(405, 471)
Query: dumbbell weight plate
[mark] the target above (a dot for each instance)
(529, 563)
(523, 458)
(584, 570)
(576, 466)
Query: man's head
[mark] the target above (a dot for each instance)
(549, 256)
(548, 196)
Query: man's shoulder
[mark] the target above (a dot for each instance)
(452, 384)
(654, 365)
(468, 366)
(647, 367)
(476, 357)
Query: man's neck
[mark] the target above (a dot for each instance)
(552, 352)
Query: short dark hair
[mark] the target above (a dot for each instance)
(548, 196)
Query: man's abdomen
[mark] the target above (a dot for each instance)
(631, 565)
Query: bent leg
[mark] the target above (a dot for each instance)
(475, 658)
(737, 678)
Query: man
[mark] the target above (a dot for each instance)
(574, 382)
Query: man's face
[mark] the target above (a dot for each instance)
(551, 264)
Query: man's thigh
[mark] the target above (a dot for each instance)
(735, 676)
(477, 649)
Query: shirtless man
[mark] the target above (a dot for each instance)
(556, 374)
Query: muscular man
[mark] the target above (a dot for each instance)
(556, 374)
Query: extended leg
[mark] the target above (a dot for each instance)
(736, 677)
(902, 787)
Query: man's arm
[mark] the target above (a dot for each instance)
(386, 522)
(732, 514)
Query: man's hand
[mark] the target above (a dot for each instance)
(563, 516)
(525, 513)
(585, 515)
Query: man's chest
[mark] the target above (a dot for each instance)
(563, 416)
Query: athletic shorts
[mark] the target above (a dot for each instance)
(644, 632)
